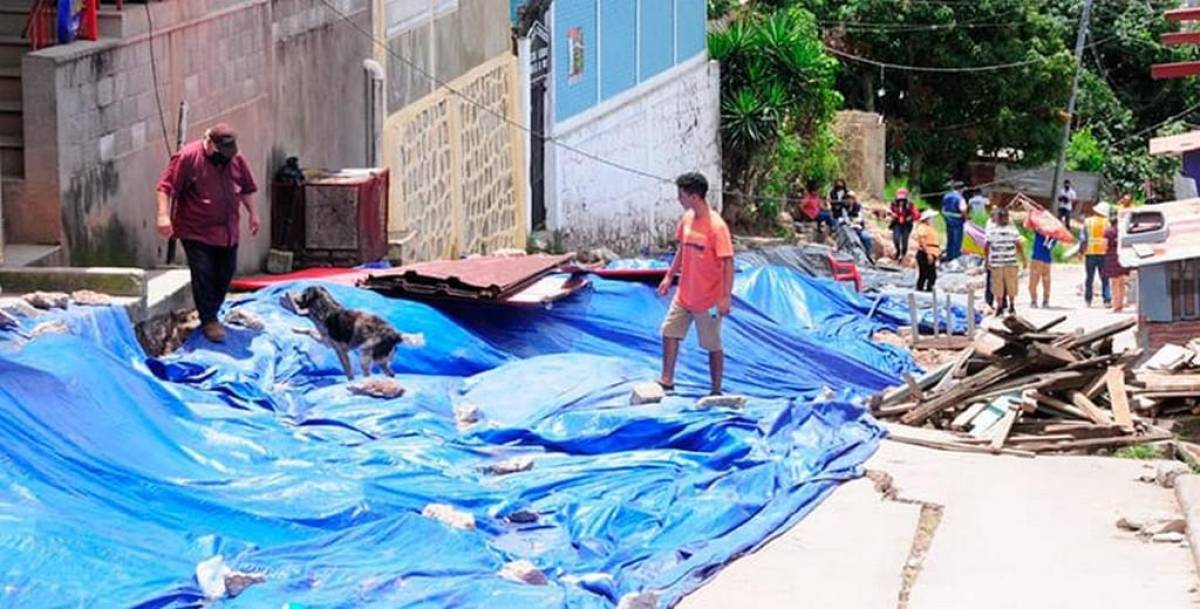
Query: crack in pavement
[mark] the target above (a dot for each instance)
(927, 524)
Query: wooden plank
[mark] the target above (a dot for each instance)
(893, 411)
(913, 388)
(1119, 399)
(1169, 382)
(971, 312)
(1054, 354)
(1045, 327)
(1090, 409)
(1003, 428)
(1093, 390)
(1099, 334)
(968, 388)
(1127, 440)
(961, 422)
(958, 363)
(927, 380)
(960, 447)
(1059, 406)
(914, 319)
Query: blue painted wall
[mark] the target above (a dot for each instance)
(618, 47)
(572, 96)
(626, 42)
(658, 36)
(1154, 301)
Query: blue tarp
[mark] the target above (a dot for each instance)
(120, 476)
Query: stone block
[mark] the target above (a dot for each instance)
(646, 393)
(120, 83)
(104, 91)
(137, 134)
(107, 147)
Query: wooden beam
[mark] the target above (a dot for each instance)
(1089, 408)
(1119, 398)
(1003, 428)
(1181, 69)
(1180, 38)
(1183, 14)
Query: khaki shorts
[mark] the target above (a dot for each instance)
(680, 319)
(1004, 281)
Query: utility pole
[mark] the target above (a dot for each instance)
(1066, 140)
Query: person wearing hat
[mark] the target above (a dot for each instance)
(1094, 245)
(903, 215)
(1003, 253)
(209, 181)
(954, 209)
(928, 249)
(852, 216)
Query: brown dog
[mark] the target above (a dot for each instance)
(346, 329)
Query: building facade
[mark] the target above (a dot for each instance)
(631, 100)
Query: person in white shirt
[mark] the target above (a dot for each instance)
(1067, 198)
(978, 202)
(1004, 252)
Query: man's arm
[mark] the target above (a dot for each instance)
(168, 187)
(665, 285)
(251, 213)
(163, 217)
(726, 286)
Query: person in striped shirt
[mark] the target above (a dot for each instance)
(1004, 253)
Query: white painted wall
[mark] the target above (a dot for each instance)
(666, 126)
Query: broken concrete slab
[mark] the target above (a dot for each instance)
(90, 298)
(638, 600)
(114, 281)
(722, 401)
(383, 388)
(647, 393)
(47, 300)
(523, 572)
(449, 515)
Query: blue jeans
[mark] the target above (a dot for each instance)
(954, 238)
(900, 235)
(1094, 264)
(867, 241)
(826, 217)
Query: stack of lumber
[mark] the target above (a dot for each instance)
(1024, 389)
(1169, 382)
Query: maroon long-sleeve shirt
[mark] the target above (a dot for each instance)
(207, 197)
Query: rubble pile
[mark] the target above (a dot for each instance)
(1023, 389)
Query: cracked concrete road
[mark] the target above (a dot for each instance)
(1029, 533)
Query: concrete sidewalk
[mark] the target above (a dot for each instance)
(1015, 533)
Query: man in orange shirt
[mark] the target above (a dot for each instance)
(705, 267)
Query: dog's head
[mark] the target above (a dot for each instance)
(314, 300)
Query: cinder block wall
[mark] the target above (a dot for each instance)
(667, 127)
(276, 69)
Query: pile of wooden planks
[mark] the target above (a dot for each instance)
(1169, 382)
(1025, 389)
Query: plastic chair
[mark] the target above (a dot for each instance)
(845, 271)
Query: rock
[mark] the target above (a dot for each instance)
(89, 298)
(523, 572)
(217, 581)
(466, 415)
(825, 395)
(246, 319)
(523, 516)
(450, 516)
(721, 401)
(280, 261)
(50, 327)
(48, 300)
(386, 388)
(597, 255)
(509, 466)
(639, 600)
(1166, 473)
(1149, 526)
(647, 393)
(1168, 538)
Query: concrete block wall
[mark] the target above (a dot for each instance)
(268, 67)
(457, 188)
(665, 127)
(862, 148)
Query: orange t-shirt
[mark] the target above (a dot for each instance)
(703, 244)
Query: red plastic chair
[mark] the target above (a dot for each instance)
(845, 271)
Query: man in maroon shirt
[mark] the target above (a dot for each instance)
(209, 182)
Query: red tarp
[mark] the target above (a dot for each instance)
(334, 274)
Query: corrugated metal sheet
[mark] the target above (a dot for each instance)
(481, 278)
(1178, 239)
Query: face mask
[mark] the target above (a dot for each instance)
(218, 158)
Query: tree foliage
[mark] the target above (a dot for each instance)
(777, 103)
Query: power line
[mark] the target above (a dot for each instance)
(896, 66)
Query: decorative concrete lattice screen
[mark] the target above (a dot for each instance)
(457, 183)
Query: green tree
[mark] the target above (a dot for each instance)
(777, 105)
(939, 120)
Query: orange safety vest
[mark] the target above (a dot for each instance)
(1097, 244)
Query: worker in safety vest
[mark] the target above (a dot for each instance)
(1094, 246)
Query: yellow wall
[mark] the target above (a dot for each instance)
(457, 169)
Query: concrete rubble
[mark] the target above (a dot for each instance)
(48, 300)
(524, 572)
(466, 415)
(91, 298)
(218, 581)
(514, 465)
(638, 600)
(250, 320)
(722, 401)
(384, 388)
(449, 515)
(646, 393)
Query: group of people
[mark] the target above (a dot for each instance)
(840, 211)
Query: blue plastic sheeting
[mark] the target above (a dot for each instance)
(116, 483)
